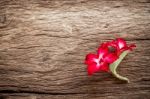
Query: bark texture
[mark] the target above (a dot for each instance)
(43, 44)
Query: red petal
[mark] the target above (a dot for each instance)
(121, 43)
(104, 66)
(113, 43)
(103, 50)
(131, 46)
(90, 58)
(92, 68)
(110, 58)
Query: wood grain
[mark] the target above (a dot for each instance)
(43, 46)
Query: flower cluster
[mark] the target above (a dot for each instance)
(107, 53)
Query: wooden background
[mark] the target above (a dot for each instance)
(43, 44)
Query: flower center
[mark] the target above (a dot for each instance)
(111, 49)
(97, 62)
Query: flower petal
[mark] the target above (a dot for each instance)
(104, 66)
(131, 46)
(103, 50)
(90, 58)
(110, 58)
(121, 43)
(92, 68)
(113, 43)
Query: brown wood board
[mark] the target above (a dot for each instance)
(43, 44)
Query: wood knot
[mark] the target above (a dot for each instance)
(4, 21)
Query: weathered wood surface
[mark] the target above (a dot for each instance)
(43, 45)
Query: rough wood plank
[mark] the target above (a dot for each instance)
(80, 19)
(43, 45)
(66, 73)
(73, 96)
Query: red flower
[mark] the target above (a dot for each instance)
(104, 57)
(95, 64)
(120, 45)
(100, 61)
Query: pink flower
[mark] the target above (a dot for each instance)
(104, 57)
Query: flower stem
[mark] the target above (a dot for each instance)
(114, 65)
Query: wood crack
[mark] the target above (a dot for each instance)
(36, 92)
